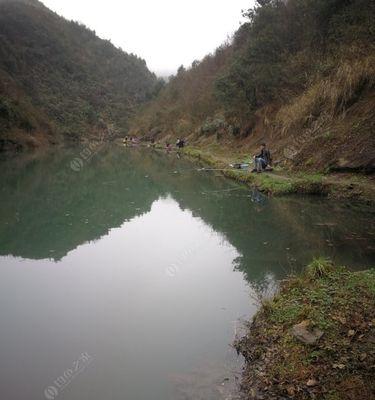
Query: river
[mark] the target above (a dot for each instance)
(127, 276)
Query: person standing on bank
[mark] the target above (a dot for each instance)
(180, 143)
(263, 159)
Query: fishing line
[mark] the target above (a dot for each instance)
(222, 190)
(214, 169)
(204, 170)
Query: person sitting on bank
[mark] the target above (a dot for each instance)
(263, 159)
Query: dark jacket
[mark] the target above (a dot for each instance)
(266, 155)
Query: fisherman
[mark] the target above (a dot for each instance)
(262, 160)
(180, 143)
(168, 147)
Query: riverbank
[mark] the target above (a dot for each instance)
(281, 181)
(314, 339)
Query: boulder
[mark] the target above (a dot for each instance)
(305, 335)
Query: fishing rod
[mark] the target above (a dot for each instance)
(213, 169)
(201, 170)
(222, 190)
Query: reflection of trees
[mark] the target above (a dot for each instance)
(329, 229)
(278, 235)
(48, 207)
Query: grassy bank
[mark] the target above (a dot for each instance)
(282, 182)
(336, 309)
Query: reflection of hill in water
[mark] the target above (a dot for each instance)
(48, 207)
(48, 210)
(276, 235)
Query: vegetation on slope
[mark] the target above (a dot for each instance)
(59, 80)
(315, 339)
(298, 74)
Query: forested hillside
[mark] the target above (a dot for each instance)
(299, 74)
(59, 81)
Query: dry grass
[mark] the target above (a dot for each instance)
(328, 97)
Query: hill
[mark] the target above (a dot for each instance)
(59, 81)
(298, 75)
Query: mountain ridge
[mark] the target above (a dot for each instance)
(59, 81)
(299, 75)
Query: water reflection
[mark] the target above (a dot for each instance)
(146, 264)
(113, 298)
(47, 210)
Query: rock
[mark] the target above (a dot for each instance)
(306, 336)
(291, 391)
(312, 382)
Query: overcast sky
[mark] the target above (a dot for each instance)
(166, 33)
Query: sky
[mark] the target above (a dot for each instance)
(166, 33)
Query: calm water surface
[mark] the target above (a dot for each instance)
(128, 279)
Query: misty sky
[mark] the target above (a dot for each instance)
(166, 33)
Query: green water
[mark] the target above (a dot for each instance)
(145, 263)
